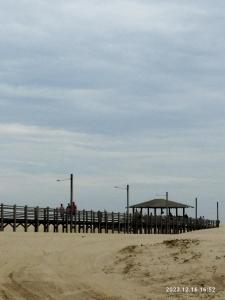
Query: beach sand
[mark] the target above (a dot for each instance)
(39, 266)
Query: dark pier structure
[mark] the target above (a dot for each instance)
(138, 222)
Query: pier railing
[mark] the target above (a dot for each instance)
(53, 219)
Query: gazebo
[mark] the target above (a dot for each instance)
(160, 204)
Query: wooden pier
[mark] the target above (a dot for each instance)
(49, 219)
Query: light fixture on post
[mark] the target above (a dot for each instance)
(71, 187)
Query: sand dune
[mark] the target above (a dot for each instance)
(39, 266)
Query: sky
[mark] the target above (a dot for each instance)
(115, 92)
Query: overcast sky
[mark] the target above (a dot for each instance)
(116, 92)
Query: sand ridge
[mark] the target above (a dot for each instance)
(39, 266)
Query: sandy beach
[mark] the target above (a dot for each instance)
(112, 266)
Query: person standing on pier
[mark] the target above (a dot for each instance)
(61, 210)
(73, 208)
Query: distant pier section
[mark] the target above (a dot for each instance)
(83, 221)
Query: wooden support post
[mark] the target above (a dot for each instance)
(47, 218)
(145, 222)
(177, 225)
(99, 222)
(118, 222)
(217, 215)
(36, 213)
(168, 224)
(161, 224)
(94, 221)
(196, 208)
(14, 218)
(75, 221)
(57, 220)
(106, 222)
(148, 229)
(188, 225)
(67, 220)
(112, 222)
(2, 217)
(54, 220)
(136, 215)
(83, 219)
(87, 222)
(124, 223)
(63, 221)
(130, 223)
(71, 220)
(155, 227)
(91, 222)
(141, 221)
(151, 223)
(25, 219)
(79, 221)
(182, 226)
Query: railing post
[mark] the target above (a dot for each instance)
(75, 221)
(2, 217)
(47, 212)
(83, 220)
(71, 221)
(36, 216)
(217, 215)
(25, 218)
(79, 221)
(87, 222)
(91, 225)
(56, 219)
(99, 222)
(106, 222)
(67, 214)
(14, 218)
(93, 221)
(45, 220)
(112, 222)
(118, 222)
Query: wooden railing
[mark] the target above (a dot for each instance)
(91, 221)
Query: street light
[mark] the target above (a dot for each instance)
(128, 205)
(71, 187)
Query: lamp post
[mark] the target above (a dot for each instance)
(71, 187)
(128, 204)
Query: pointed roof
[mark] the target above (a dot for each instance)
(160, 203)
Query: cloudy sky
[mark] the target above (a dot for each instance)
(116, 92)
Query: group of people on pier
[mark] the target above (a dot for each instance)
(70, 209)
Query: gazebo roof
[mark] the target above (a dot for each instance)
(159, 203)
